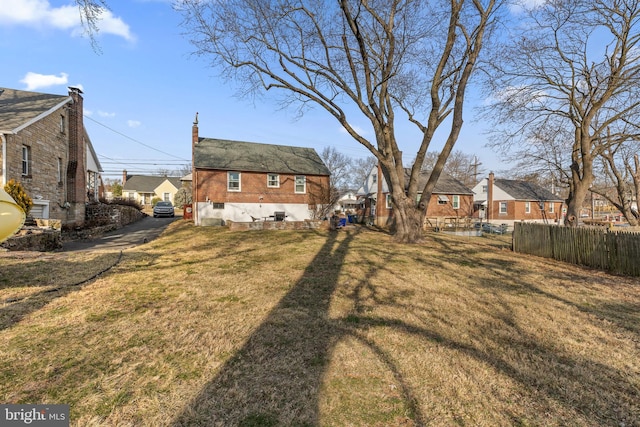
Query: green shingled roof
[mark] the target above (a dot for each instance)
(18, 107)
(254, 157)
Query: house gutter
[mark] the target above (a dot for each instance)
(4, 159)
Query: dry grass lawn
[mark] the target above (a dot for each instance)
(206, 327)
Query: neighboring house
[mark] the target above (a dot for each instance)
(348, 202)
(145, 188)
(246, 181)
(449, 199)
(506, 201)
(46, 148)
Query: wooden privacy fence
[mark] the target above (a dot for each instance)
(605, 249)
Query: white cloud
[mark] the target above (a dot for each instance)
(37, 81)
(106, 114)
(40, 14)
(133, 123)
(518, 6)
(358, 130)
(87, 113)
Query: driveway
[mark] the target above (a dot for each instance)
(128, 236)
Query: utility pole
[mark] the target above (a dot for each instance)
(475, 165)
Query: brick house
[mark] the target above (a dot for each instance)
(144, 188)
(450, 199)
(246, 181)
(46, 148)
(507, 200)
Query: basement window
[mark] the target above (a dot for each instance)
(217, 205)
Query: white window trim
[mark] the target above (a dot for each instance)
(388, 202)
(455, 201)
(304, 184)
(277, 179)
(527, 207)
(26, 160)
(505, 211)
(551, 209)
(239, 182)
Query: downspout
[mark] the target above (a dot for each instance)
(4, 159)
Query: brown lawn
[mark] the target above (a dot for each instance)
(209, 327)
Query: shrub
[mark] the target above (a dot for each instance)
(155, 200)
(22, 199)
(182, 197)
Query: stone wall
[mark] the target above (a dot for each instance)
(278, 225)
(101, 218)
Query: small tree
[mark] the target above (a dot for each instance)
(182, 197)
(22, 199)
(116, 189)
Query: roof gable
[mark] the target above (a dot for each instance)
(19, 108)
(255, 157)
(446, 184)
(523, 190)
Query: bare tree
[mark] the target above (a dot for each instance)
(361, 169)
(90, 11)
(569, 74)
(620, 174)
(339, 165)
(355, 57)
(461, 166)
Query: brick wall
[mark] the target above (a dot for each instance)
(435, 209)
(253, 186)
(516, 211)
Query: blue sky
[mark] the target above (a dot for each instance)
(143, 89)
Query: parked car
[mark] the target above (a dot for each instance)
(491, 228)
(163, 209)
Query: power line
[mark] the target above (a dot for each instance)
(134, 140)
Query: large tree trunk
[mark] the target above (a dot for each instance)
(408, 221)
(576, 199)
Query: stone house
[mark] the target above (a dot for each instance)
(246, 181)
(46, 148)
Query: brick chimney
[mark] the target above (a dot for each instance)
(124, 176)
(194, 131)
(195, 138)
(490, 195)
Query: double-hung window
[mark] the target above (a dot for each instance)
(550, 207)
(26, 160)
(273, 180)
(233, 181)
(60, 169)
(301, 184)
(455, 202)
(503, 207)
(527, 207)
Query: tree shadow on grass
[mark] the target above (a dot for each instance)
(276, 377)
